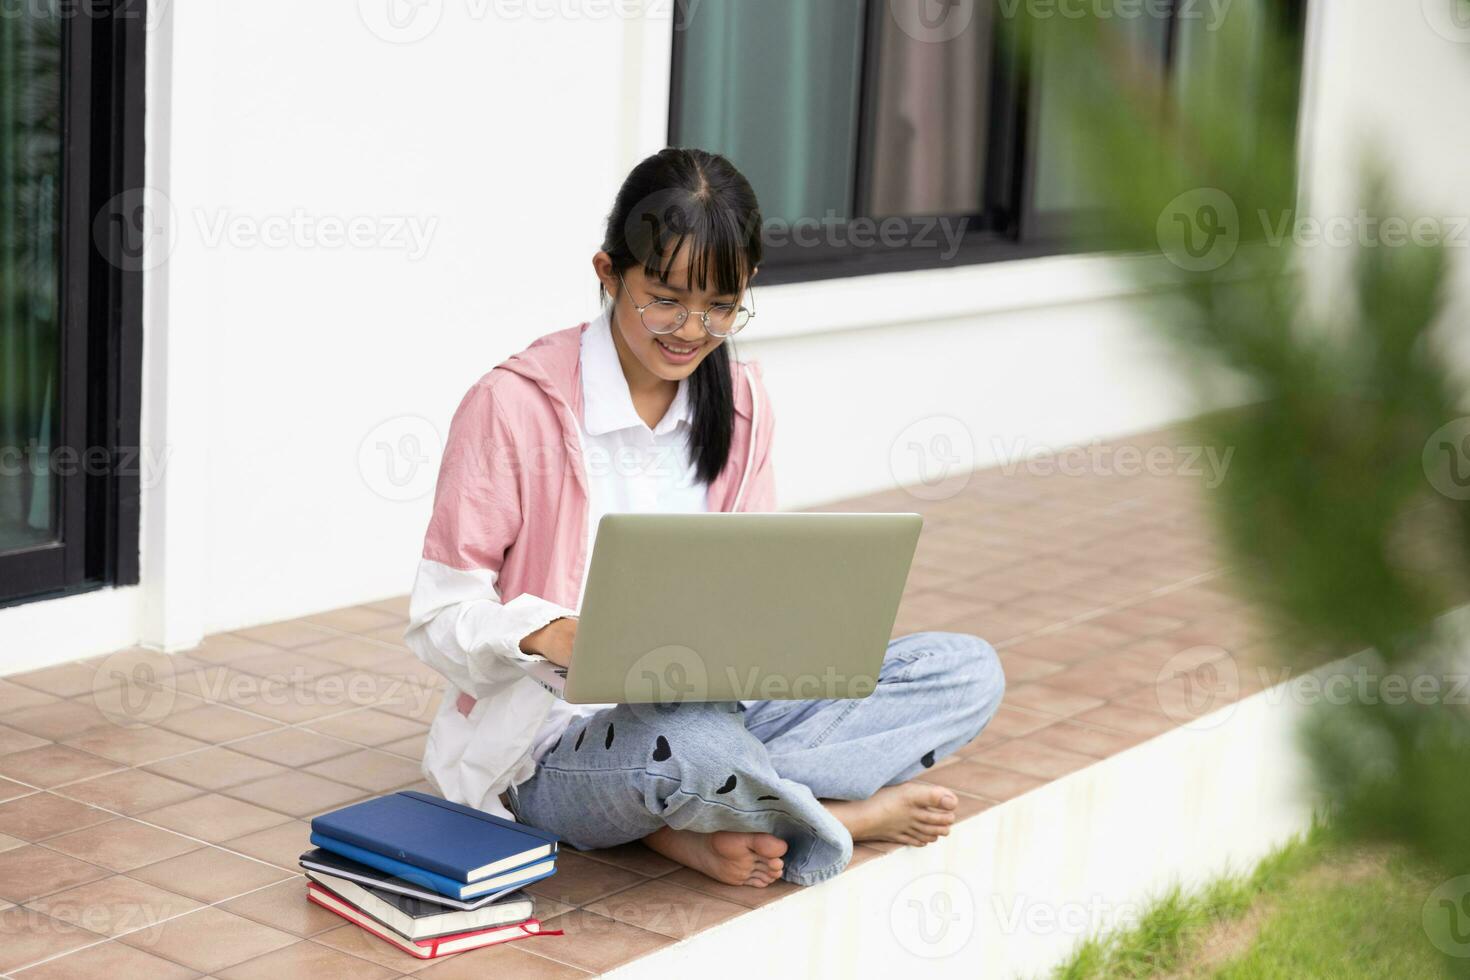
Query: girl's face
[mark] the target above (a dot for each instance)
(669, 357)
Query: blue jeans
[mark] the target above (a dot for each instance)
(624, 772)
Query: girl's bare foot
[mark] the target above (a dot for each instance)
(727, 856)
(909, 813)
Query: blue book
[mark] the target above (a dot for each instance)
(457, 842)
(460, 891)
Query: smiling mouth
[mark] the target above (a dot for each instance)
(676, 348)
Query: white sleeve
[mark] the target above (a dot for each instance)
(458, 626)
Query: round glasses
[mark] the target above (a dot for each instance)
(665, 316)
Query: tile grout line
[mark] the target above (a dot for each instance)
(1119, 606)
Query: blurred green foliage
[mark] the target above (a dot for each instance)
(1341, 511)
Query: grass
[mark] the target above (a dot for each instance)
(1313, 908)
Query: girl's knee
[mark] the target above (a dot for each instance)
(971, 670)
(967, 660)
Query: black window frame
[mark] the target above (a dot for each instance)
(1012, 229)
(96, 458)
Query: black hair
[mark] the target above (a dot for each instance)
(688, 197)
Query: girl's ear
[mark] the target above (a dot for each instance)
(602, 264)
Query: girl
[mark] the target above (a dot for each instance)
(645, 410)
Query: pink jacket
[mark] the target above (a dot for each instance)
(507, 546)
(512, 496)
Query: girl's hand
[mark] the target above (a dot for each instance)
(553, 641)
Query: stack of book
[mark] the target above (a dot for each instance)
(429, 876)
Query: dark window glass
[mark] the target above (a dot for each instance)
(30, 276)
(71, 157)
(851, 115)
(931, 121)
(774, 85)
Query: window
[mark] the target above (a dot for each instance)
(884, 135)
(70, 305)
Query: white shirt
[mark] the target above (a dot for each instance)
(631, 469)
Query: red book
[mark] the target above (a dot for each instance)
(426, 949)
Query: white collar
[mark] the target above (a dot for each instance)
(607, 405)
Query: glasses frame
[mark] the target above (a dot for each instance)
(702, 314)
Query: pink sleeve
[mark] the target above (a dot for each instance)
(477, 502)
(457, 623)
(760, 486)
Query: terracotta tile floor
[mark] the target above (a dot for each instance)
(152, 807)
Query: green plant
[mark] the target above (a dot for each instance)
(1342, 508)
(1169, 931)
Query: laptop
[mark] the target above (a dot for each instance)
(738, 607)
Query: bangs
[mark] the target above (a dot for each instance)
(721, 251)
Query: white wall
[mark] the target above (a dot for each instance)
(1390, 82)
(267, 366)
